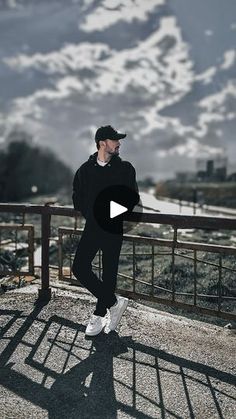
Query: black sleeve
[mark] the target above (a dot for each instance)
(132, 184)
(78, 194)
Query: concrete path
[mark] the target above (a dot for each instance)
(157, 365)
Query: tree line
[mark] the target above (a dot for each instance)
(26, 170)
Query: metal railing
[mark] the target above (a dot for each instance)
(136, 288)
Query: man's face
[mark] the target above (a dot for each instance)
(112, 147)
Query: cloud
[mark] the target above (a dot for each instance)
(70, 58)
(157, 67)
(12, 4)
(110, 12)
(229, 59)
(218, 99)
(207, 76)
(148, 85)
(33, 106)
(208, 32)
(155, 121)
(147, 65)
(192, 148)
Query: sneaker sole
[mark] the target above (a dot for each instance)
(125, 305)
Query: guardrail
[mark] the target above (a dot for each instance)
(176, 221)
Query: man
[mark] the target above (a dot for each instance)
(103, 169)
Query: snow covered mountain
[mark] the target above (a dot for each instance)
(161, 70)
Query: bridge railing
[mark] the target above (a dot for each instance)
(133, 281)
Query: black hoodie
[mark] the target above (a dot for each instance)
(91, 178)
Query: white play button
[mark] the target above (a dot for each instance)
(116, 209)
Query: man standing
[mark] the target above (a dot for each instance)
(104, 169)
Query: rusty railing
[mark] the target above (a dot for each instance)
(176, 221)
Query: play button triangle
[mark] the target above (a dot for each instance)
(110, 205)
(116, 209)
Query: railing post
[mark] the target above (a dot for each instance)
(99, 264)
(173, 263)
(31, 251)
(134, 267)
(45, 291)
(60, 255)
(220, 284)
(195, 277)
(153, 267)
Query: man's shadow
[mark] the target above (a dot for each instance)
(87, 390)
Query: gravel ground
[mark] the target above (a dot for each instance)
(157, 365)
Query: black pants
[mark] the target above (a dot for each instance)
(93, 239)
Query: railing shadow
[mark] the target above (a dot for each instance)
(59, 370)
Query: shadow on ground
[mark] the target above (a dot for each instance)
(49, 367)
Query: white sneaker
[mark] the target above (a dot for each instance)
(95, 325)
(116, 312)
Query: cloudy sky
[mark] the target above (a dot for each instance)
(164, 71)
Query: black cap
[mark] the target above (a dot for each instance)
(108, 133)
